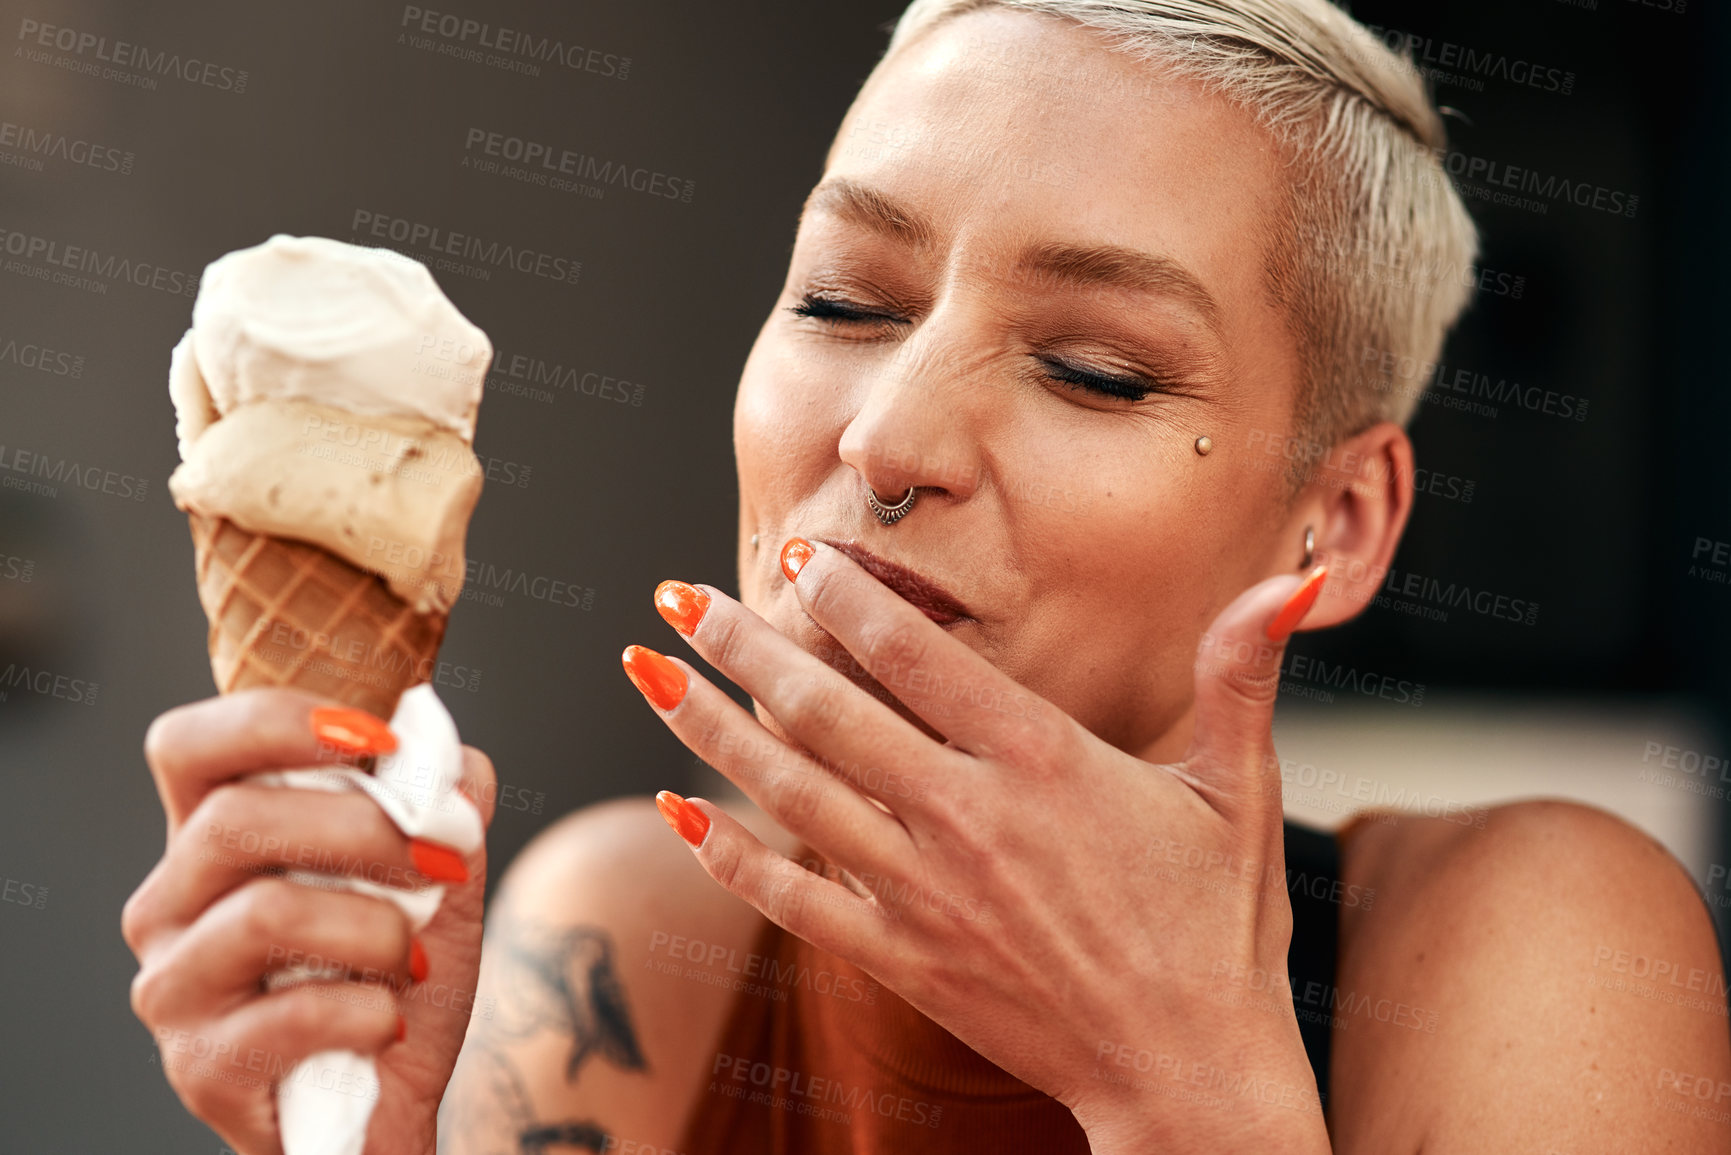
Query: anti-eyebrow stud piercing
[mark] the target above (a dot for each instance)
(1204, 446)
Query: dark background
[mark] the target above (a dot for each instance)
(1594, 519)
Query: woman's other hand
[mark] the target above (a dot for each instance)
(216, 918)
(1061, 906)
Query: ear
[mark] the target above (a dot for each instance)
(1357, 498)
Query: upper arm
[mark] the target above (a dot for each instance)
(582, 1033)
(1488, 1000)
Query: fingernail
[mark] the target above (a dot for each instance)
(417, 961)
(1297, 605)
(356, 731)
(402, 1028)
(439, 863)
(691, 823)
(681, 604)
(659, 680)
(794, 555)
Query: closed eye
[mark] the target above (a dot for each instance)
(830, 309)
(1127, 388)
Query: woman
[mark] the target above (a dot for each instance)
(1059, 429)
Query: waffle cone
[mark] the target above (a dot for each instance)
(287, 613)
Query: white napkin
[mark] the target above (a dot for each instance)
(324, 1104)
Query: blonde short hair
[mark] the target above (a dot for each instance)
(1374, 256)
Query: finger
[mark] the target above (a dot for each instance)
(269, 926)
(242, 830)
(979, 708)
(291, 1023)
(239, 1104)
(194, 748)
(225, 1070)
(854, 736)
(790, 787)
(825, 913)
(1237, 679)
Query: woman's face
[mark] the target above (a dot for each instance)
(1033, 274)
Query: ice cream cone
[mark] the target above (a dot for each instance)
(284, 612)
(325, 401)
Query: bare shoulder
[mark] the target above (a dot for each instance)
(1540, 971)
(592, 1018)
(622, 840)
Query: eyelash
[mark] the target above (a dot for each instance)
(1121, 388)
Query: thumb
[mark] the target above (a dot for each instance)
(1238, 676)
(440, 1009)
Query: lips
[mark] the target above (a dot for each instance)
(921, 592)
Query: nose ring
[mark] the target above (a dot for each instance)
(890, 514)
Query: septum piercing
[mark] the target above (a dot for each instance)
(890, 514)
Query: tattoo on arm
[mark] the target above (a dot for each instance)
(583, 1136)
(558, 979)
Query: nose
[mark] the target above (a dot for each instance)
(917, 425)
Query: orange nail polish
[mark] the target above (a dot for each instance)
(682, 605)
(356, 731)
(402, 1028)
(439, 863)
(659, 680)
(691, 823)
(418, 966)
(1297, 605)
(794, 555)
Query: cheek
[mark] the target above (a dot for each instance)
(1098, 501)
(1133, 546)
(786, 426)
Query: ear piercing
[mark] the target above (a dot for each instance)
(1204, 446)
(754, 541)
(1309, 548)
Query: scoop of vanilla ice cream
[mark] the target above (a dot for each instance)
(361, 329)
(328, 392)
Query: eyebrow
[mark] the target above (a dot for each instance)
(1082, 266)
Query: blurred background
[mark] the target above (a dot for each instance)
(1557, 622)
